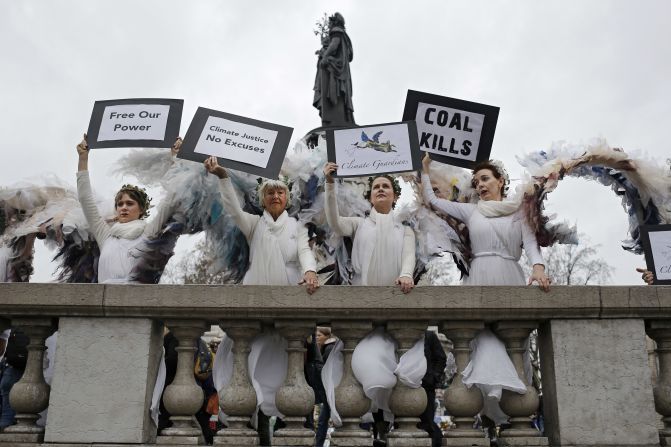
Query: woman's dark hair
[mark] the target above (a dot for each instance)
(487, 164)
(137, 194)
(396, 186)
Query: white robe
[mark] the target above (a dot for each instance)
(383, 250)
(119, 253)
(497, 244)
(279, 255)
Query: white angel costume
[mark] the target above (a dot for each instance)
(498, 232)
(119, 253)
(279, 254)
(118, 242)
(382, 251)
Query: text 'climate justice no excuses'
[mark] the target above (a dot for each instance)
(232, 143)
(437, 142)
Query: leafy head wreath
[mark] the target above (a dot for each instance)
(394, 184)
(284, 182)
(138, 194)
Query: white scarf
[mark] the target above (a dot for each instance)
(267, 265)
(496, 208)
(383, 262)
(129, 230)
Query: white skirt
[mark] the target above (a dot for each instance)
(374, 365)
(267, 365)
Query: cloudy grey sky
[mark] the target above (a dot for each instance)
(559, 70)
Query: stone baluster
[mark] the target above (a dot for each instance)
(651, 346)
(407, 403)
(660, 332)
(30, 395)
(238, 398)
(351, 402)
(183, 397)
(463, 403)
(520, 407)
(295, 398)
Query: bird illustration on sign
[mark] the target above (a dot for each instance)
(374, 143)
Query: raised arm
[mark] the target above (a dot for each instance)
(167, 206)
(461, 211)
(245, 221)
(343, 226)
(97, 226)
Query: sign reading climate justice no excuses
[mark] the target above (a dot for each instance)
(239, 143)
(452, 131)
(139, 122)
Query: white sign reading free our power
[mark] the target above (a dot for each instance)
(236, 141)
(134, 122)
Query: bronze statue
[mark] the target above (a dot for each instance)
(333, 82)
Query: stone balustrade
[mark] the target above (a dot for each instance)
(597, 387)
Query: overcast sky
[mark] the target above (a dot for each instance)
(559, 70)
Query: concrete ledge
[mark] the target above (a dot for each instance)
(51, 299)
(331, 302)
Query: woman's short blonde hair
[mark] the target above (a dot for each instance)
(270, 185)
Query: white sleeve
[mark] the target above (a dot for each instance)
(408, 253)
(97, 226)
(461, 211)
(531, 245)
(245, 221)
(343, 226)
(305, 255)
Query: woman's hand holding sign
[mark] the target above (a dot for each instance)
(212, 166)
(83, 152)
(329, 169)
(174, 150)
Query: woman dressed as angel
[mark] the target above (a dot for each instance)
(279, 255)
(383, 254)
(498, 232)
(119, 241)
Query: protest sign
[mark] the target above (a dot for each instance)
(240, 143)
(138, 122)
(452, 131)
(374, 149)
(656, 241)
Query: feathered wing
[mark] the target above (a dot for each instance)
(437, 232)
(303, 166)
(47, 210)
(376, 137)
(645, 187)
(194, 198)
(149, 166)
